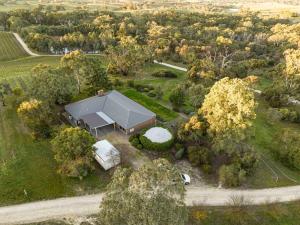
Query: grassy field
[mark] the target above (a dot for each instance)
(270, 172)
(167, 84)
(161, 111)
(10, 47)
(14, 70)
(275, 214)
(29, 165)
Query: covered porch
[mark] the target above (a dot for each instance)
(98, 123)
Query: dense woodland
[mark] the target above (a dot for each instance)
(227, 55)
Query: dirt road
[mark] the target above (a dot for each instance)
(89, 204)
(24, 45)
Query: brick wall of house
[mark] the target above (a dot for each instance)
(141, 126)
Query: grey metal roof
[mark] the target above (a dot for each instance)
(93, 120)
(85, 107)
(126, 112)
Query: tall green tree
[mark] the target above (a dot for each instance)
(152, 195)
(74, 64)
(73, 151)
(51, 85)
(96, 77)
(127, 57)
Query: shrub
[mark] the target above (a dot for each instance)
(206, 168)
(198, 155)
(289, 115)
(139, 146)
(152, 94)
(276, 96)
(133, 137)
(143, 87)
(135, 142)
(179, 154)
(178, 146)
(149, 145)
(231, 175)
(177, 97)
(117, 82)
(164, 73)
(130, 83)
(287, 148)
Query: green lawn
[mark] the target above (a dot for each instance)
(167, 84)
(161, 111)
(10, 47)
(26, 164)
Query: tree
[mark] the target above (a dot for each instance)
(288, 151)
(231, 175)
(177, 97)
(75, 64)
(96, 79)
(4, 20)
(224, 52)
(51, 85)
(154, 194)
(292, 70)
(127, 57)
(202, 69)
(73, 151)
(37, 116)
(229, 109)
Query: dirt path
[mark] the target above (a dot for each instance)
(24, 45)
(89, 204)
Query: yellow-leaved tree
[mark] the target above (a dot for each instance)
(229, 110)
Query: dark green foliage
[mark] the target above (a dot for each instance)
(198, 155)
(180, 153)
(135, 141)
(73, 151)
(177, 97)
(287, 148)
(276, 95)
(289, 115)
(130, 83)
(152, 94)
(117, 82)
(231, 175)
(164, 73)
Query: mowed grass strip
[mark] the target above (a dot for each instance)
(161, 111)
(10, 47)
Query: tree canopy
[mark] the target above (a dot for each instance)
(73, 150)
(229, 109)
(151, 195)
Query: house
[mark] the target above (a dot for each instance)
(106, 154)
(111, 109)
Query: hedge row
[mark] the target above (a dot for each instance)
(149, 145)
(141, 142)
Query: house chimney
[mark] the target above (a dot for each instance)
(100, 93)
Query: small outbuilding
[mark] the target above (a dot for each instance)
(106, 154)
